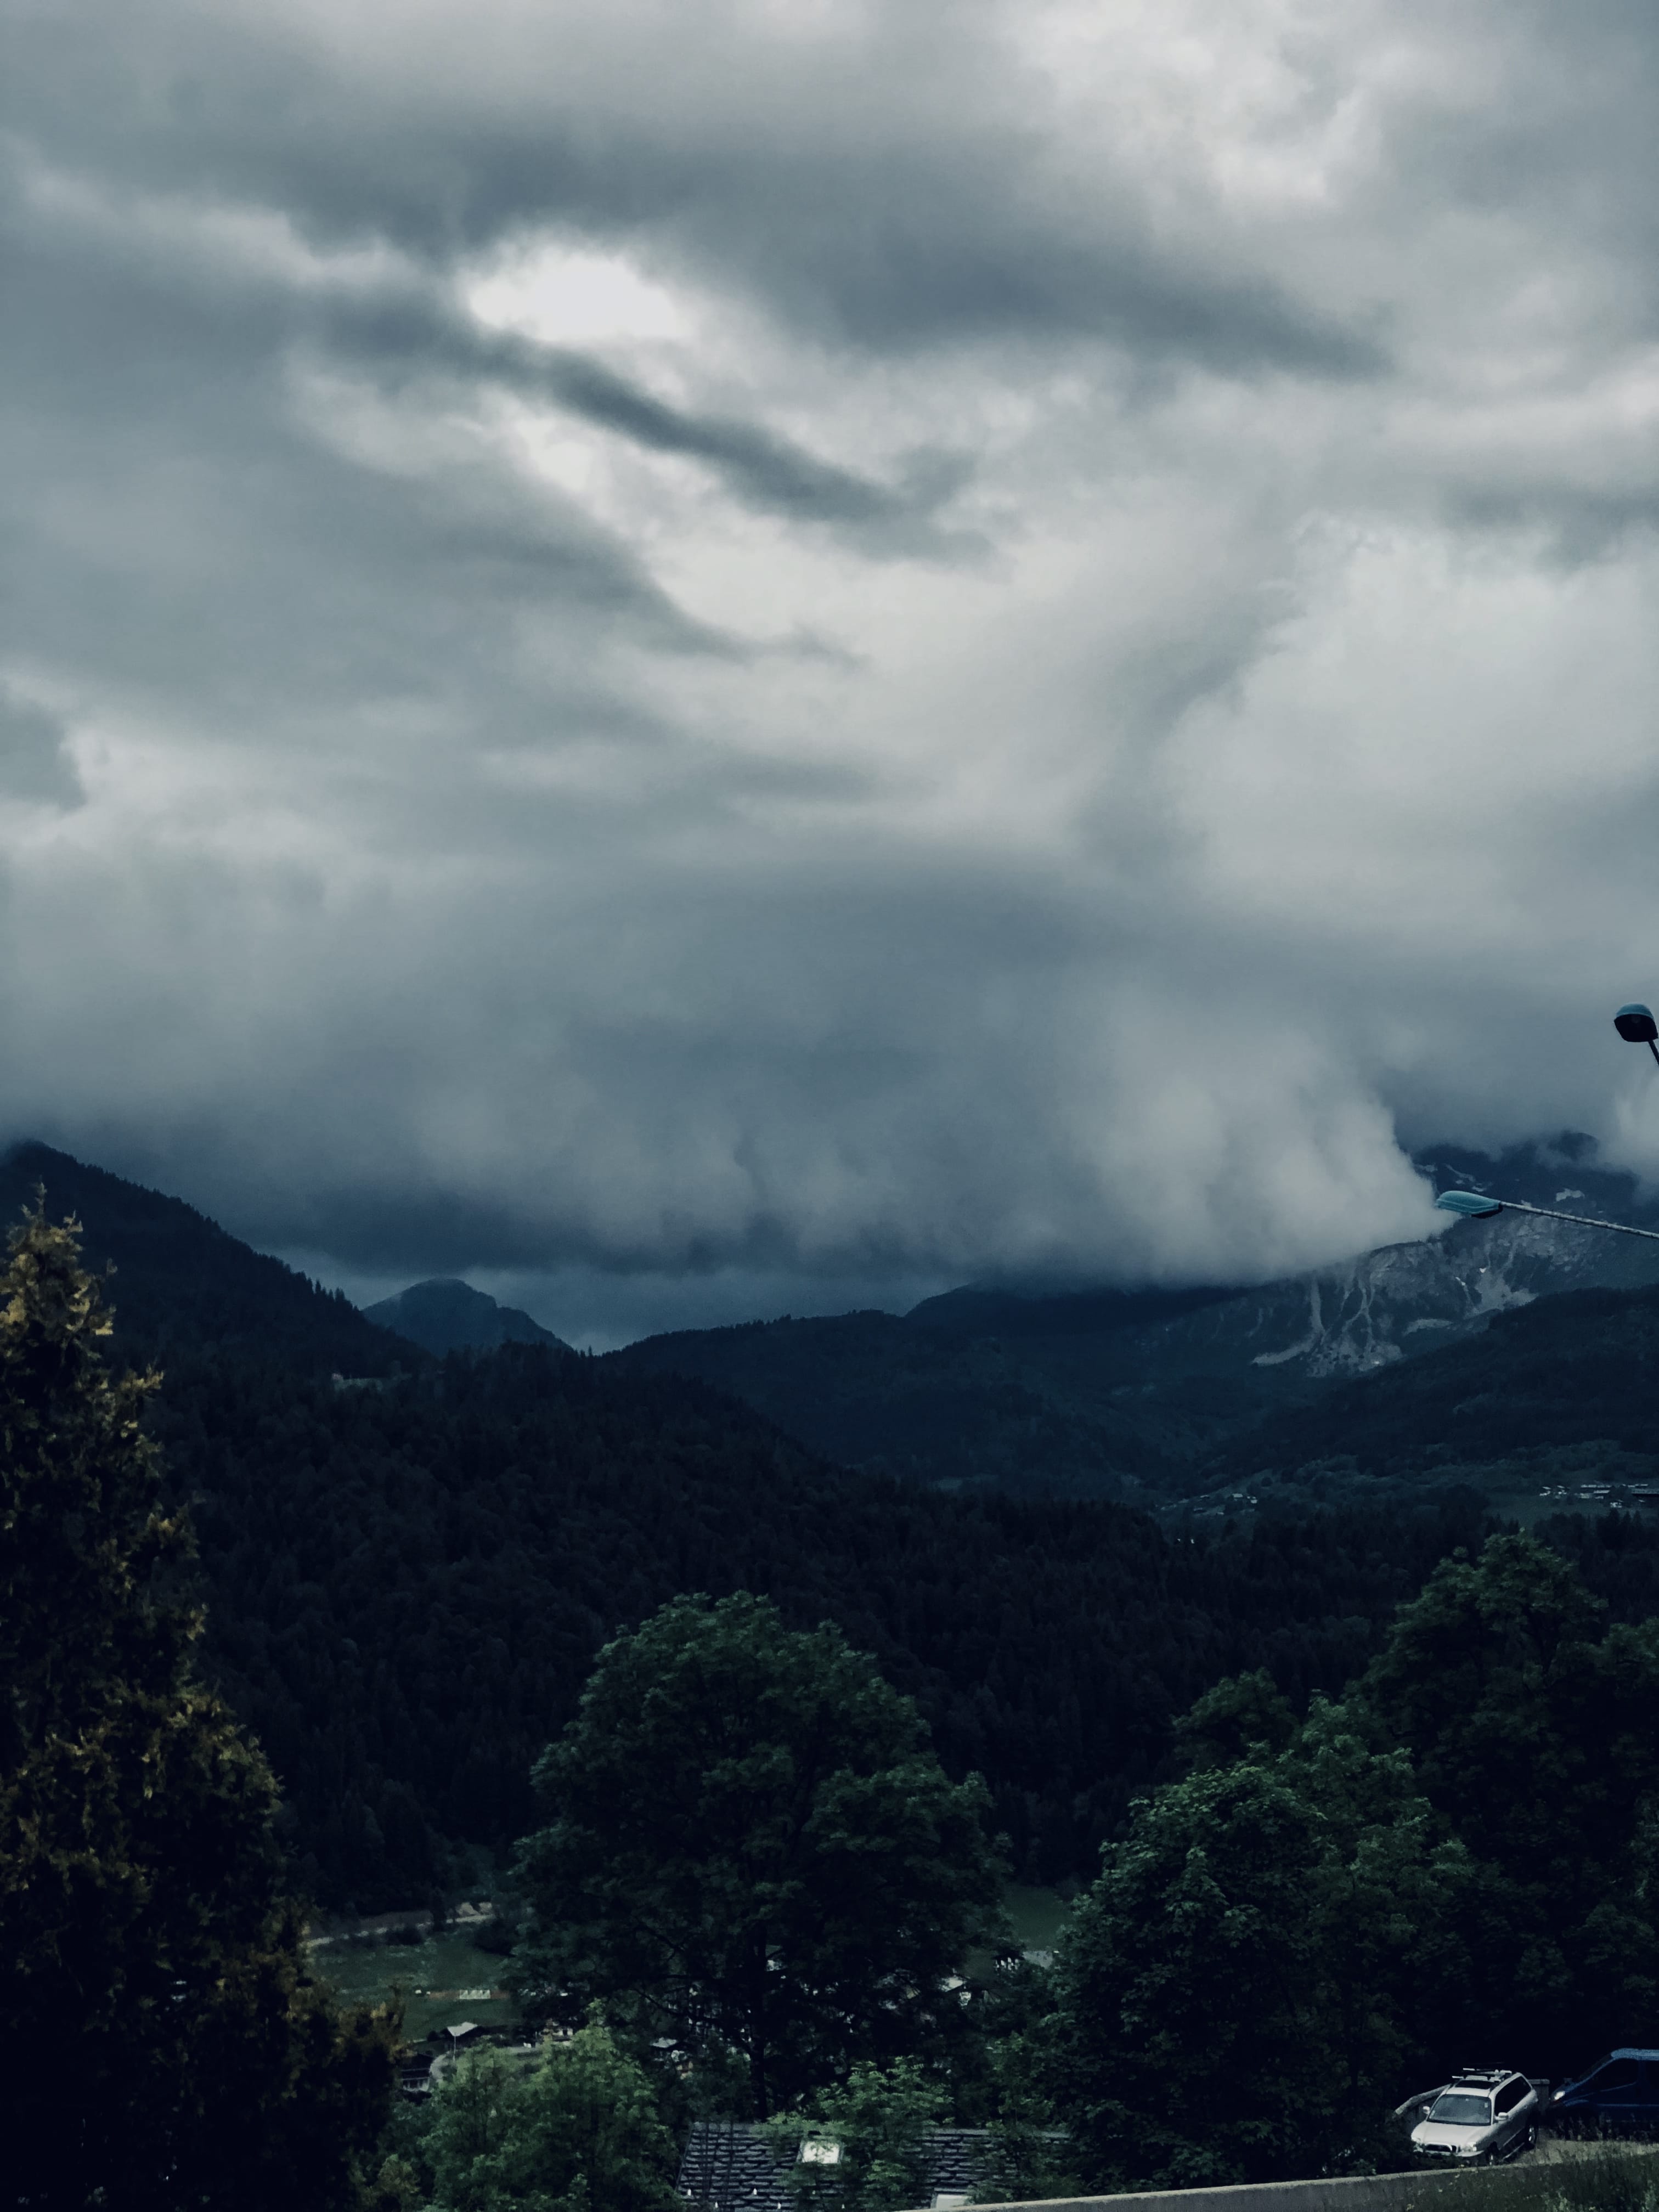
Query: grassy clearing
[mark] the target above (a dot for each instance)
(1037, 1915)
(429, 1975)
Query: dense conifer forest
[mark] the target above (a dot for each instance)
(406, 1589)
(407, 1581)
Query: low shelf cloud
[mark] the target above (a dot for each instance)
(799, 650)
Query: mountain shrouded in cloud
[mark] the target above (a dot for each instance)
(825, 642)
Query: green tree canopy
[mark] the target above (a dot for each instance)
(577, 2132)
(879, 2122)
(752, 1848)
(153, 2003)
(1532, 1729)
(1461, 1859)
(1243, 1714)
(1238, 1992)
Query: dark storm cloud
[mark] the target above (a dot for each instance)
(33, 763)
(1068, 643)
(410, 332)
(154, 466)
(1580, 524)
(930, 222)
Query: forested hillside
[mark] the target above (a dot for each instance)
(406, 1591)
(1131, 1394)
(408, 1580)
(406, 1585)
(934, 1405)
(181, 1286)
(1553, 1377)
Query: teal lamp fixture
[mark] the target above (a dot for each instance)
(1636, 1024)
(1469, 1203)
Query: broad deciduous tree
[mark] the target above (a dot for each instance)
(1239, 1991)
(1463, 1859)
(752, 1848)
(1532, 1727)
(577, 2132)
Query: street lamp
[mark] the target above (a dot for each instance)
(1475, 1206)
(1636, 1024)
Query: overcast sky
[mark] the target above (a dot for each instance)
(708, 656)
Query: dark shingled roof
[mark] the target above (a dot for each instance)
(730, 2167)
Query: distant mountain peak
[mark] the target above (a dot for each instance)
(445, 1314)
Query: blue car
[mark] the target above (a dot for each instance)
(1620, 2097)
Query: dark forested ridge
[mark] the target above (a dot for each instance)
(407, 1584)
(1135, 1394)
(407, 1589)
(182, 1286)
(929, 1404)
(407, 1592)
(1569, 1370)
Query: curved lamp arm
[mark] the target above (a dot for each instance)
(1474, 1205)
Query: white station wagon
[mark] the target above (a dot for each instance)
(1478, 2117)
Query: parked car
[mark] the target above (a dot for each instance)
(1484, 2114)
(1619, 2097)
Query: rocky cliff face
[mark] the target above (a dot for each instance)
(1121, 1391)
(1358, 1315)
(1362, 1314)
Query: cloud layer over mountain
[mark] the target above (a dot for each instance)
(825, 642)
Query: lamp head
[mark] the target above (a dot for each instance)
(1636, 1024)
(1469, 1203)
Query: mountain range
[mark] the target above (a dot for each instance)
(1152, 1396)
(406, 1581)
(1140, 1394)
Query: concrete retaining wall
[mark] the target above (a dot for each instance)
(1364, 2193)
(1361, 2192)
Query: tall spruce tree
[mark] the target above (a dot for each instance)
(162, 2042)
